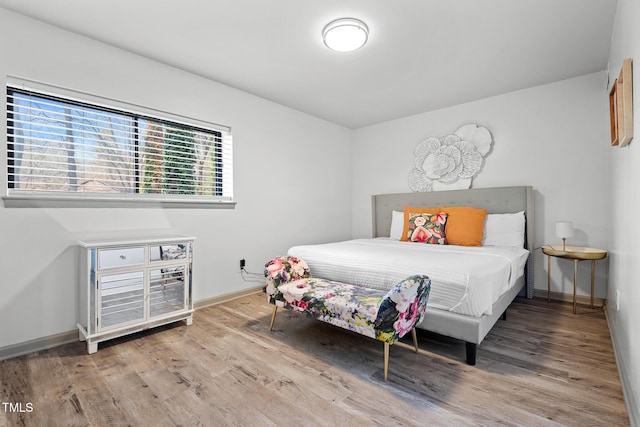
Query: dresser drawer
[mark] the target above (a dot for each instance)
(168, 252)
(120, 257)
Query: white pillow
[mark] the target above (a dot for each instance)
(397, 225)
(504, 229)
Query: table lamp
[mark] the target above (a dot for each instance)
(564, 229)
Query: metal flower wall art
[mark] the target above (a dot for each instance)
(450, 162)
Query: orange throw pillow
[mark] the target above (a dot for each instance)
(465, 225)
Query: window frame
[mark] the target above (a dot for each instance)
(33, 198)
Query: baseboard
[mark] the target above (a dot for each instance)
(559, 296)
(627, 390)
(51, 341)
(226, 297)
(38, 344)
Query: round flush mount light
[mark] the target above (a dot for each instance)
(345, 34)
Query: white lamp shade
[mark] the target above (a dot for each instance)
(345, 34)
(564, 229)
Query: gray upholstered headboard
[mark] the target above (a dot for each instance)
(494, 200)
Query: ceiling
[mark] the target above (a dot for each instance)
(422, 55)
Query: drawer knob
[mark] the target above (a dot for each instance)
(123, 257)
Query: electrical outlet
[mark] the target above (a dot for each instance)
(242, 263)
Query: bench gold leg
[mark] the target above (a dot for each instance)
(386, 360)
(273, 317)
(415, 339)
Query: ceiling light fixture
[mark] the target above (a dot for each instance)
(345, 34)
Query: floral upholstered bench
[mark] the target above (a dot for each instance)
(385, 316)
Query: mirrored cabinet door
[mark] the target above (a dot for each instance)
(120, 299)
(167, 292)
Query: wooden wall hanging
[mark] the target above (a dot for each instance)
(621, 106)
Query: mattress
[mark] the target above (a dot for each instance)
(464, 280)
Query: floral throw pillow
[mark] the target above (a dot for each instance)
(427, 228)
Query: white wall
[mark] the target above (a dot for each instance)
(553, 137)
(625, 205)
(284, 160)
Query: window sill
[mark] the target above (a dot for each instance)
(88, 202)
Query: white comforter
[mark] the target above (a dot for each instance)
(465, 280)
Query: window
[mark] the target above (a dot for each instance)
(64, 148)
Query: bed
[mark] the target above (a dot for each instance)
(466, 301)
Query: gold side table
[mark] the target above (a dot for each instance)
(577, 254)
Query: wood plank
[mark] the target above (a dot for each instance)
(543, 366)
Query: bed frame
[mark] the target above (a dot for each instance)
(472, 330)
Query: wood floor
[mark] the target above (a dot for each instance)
(543, 366)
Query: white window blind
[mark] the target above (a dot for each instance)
(62, 147)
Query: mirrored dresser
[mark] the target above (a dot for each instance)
(132, 284)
